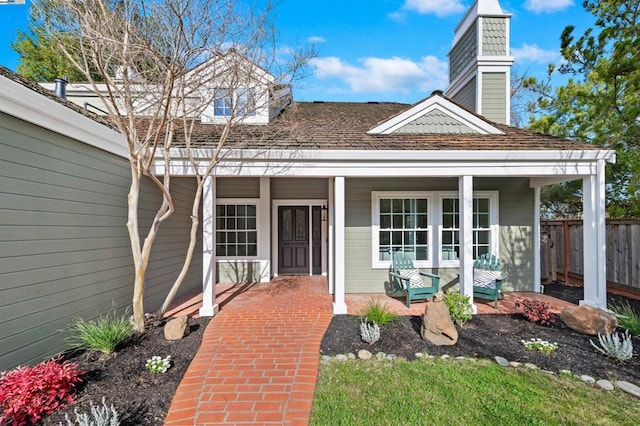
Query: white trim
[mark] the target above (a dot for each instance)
(339, 305)
(23, 103)
(434, 225)
(309, 203)
(465, 194)
(537, 284)
(209, 306)
(435, 103)
(494, 223)
(259, 232)
(331, 237)
(376, 196)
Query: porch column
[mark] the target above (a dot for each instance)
(264, 224)
(209, 306)
(465, 194)
(330, 232)
(536, 240)
(594, 227)
(339, 305)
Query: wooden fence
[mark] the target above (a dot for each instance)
(561, 251)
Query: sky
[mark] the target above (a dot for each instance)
(384, 50)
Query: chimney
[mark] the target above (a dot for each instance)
(61, 87)
(480, 63)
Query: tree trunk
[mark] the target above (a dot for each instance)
(134, 237)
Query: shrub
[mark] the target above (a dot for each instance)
(369, 333)
(612, 346)
(627, 318)
(459, 307)
(104, 334)
(29, 393)
(536, 311)
(158, 364)
(377, 313)
(540, 345)
(100, 416)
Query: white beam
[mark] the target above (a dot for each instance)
(594, 228)
(209, 306)
(536, 241)
(465, 188)
(339, 305)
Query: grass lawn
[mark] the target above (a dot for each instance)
(449, 392)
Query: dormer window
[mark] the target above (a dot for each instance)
(243, 99)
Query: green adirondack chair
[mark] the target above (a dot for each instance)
(487, 278)
(409, 281)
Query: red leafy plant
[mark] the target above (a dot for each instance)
(29, 393)
(536, 311)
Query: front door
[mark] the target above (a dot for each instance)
(293, 237)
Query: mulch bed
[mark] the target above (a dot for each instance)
(140, 397)
(487, 336)
(143, 398)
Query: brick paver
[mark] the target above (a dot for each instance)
(259, 358)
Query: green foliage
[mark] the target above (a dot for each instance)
(627, 318)
(437, 392)
(378, 313)
(613, 346)
(459, 307)
(540, 345)
(41, 59)
(104, 334)
(600, 103)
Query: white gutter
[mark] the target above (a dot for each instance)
(23, 103)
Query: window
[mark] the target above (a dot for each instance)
(236, 230)
(450, 234)
(243, 99)
(429, 231)
(222, 103)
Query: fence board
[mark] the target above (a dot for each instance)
(622, 243)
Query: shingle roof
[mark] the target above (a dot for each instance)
(6, 72)
(344, 125)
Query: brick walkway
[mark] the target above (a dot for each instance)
(259, 357)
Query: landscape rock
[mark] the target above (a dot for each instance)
(381, 355)
(177, 328)
(351, 355)
(531, 366)
(364, 354)
(587, 379)
(502, 361)
(437, 326)
(325, 358)
(604, 385)
(629, 388)
(515, 364)
(566, 372)
(445, 356)
(341, 357)
(589, 320)
(419, 354)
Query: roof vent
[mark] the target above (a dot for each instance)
(61, 87)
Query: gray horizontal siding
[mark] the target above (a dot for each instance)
(237, 187)
(64, 247)
(300, 188)
(516, 225)
(467, 95)
(494, 96)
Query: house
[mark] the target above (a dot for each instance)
(445, 179)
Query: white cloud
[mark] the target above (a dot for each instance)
(316, 39)
(437, 7)
(385, 75)
(533, 53)
(547, 6)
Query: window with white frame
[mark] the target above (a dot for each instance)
(484, 211)
(236, 229)
(222, 103)
(243, 99)
(404, 221)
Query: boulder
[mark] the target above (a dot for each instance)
(589, 320)
(177, 328)
(437, 326)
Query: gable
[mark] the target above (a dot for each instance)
(436, 121)
(435, 115)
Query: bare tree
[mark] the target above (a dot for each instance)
(164, 66)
